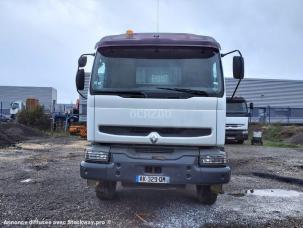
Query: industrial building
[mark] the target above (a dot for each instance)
(275, 100)
(47, 96)
(268, 92)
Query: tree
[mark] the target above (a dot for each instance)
(34, 118)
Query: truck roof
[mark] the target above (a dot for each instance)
(158, 39)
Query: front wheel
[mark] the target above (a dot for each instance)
(105, 190)
(205, 195)
(241, 141)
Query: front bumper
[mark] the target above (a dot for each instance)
(184, 170)
(236, 135)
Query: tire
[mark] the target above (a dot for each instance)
(241, 141)
(105, 190)
(205, 195)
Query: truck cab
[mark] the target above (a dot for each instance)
(16, 107)
(156, 111)
(236, 120)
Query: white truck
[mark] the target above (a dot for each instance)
(156, 111)
(236, 120)
(16, 107)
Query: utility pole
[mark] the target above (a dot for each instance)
(157, 19)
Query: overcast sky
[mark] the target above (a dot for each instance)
(40, 41)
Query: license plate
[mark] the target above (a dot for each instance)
(152, 179)
(230, 138)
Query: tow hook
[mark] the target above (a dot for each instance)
(92, 183)
(217, 188)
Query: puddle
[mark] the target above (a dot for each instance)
(268, 193)
(284, 179)
(237, 194)
(26, 180)
(274, 193)
(6, 154)
(299, 166)
(39, 167)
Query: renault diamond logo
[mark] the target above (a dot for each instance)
(153, 137)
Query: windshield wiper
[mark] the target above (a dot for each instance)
(124, 93)
(183, 90)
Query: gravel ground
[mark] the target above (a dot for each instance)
(40, 183)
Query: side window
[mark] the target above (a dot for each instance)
(215, 76)
(99, 82)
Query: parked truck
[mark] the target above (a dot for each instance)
(236, 120)
(156, 110)
(16, 107)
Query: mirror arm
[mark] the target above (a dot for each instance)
(91, 54)
(84, 97)
(224, 54)
(236, 89)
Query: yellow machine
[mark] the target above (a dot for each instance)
(78, 129)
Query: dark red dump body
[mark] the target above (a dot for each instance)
(158, 39)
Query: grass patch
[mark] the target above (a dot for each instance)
(277, 135)
(281, 144)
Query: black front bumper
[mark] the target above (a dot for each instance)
(184, 170)
(236, 135)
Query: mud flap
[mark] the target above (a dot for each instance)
(217, 188)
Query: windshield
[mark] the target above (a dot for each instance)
(236, 107)
(157, 70)
(15, 105)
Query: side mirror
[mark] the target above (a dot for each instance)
(238, 67)
(251, 106)
(80, 79)
(82, 61)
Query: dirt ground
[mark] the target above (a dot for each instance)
(40, 183)
(12, 133)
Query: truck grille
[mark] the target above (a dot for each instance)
(154, 150)
(162, 131)
(235, 125)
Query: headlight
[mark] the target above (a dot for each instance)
(213, 159)
(96, 156)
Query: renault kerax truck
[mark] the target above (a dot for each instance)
(156, 110)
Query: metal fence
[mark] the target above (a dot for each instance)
(283, 115)
(4, 108)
